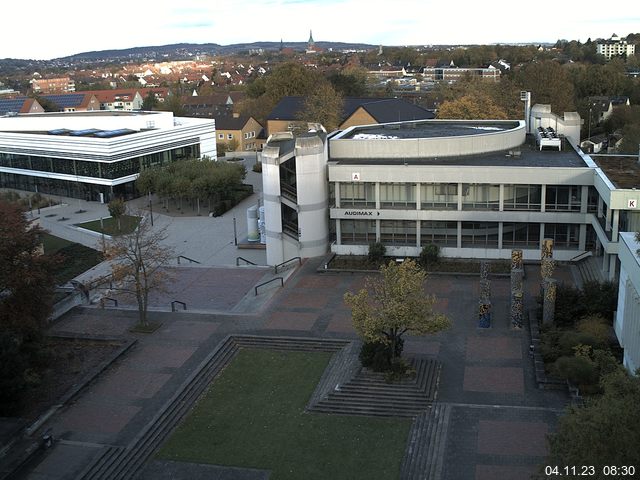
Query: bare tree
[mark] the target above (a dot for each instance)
(137, 260)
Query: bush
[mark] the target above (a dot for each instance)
(578, 370)
(377, 355)
(597, 328)
(600, 299)
(377, 251)
(429, 255)
(257, 167)
(399, 369)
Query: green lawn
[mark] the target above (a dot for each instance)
(74, 258)
(253, 416)
(128, 224)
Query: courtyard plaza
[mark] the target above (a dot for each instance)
(498, 418)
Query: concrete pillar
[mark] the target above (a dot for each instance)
(501, 200)
(338, 232)
(582, 238)
(500, 227)
(600, 206)
(541, 234)
(418, 239)
(337, 194)
(377, 230)
(459, 196)
(459, 245)
(615, 224)
(607, 223)
(584, 199)
(605, 262)
(543, 198)
(418, 197)
(377, 190)
(612, 267)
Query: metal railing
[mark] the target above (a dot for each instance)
(249, 262)
(266, 283)
(581, 256)
(191, 260)
(275, 270)
(173, 305)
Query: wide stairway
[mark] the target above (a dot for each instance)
(369, 393)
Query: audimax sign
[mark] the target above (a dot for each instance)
(360, 213)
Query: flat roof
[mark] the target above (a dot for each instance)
(529, 156)
(622, 170)
(428, 129)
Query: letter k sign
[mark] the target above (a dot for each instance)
(632, 203)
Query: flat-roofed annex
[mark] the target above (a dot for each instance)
(428, 138)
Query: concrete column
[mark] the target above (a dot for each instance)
(582, 238)
(600, 206)
(605, 262)
(543, 198)
(501, 203)
(377, 190)
(541, 235)
(612, 267)
(418, 239)
(459, 196)
(337, 194)
(338, 232)
(459, 245)
(607, 223)
(615, 225)
(377, 230)
(584, 197)
(500, 233)
(418, 196)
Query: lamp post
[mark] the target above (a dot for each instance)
(589, 123)
(150, 208)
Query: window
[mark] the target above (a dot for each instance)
(522, 197)
(563, 197)
(221, 136)
(443, 234)
(357, 232)
(357, 194)
(229, 136)
(565, 236)
(480, 234)
(398, 232)
(397, 195)
(477, 196)
(521, 235)
(439, 196)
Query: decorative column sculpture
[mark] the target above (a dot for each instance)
(549, 300)
(549, 285)
(517, 289)
(484, 305)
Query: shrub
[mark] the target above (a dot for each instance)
(377, 251)
(429, 255)
(600, 298)
(578, 370)
(596, 327)
(399, 369)
(257, 167)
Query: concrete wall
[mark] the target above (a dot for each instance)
(627, 320)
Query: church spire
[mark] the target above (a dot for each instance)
(311, 42)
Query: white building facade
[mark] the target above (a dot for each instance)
(627, 319)
(95, 155)
(615, 47)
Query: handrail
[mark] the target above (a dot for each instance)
(265, 283)
(115, 301)
(586, 254)
(173, 305)
(275, 270)
(187, 258)
(249, 262)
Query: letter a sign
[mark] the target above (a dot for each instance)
(632, 203)
(355, 177)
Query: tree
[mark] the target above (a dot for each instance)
(117, 208)
(150, 102)
(398, 305)
(549, 83)
(26, 293)
(137, 260)
(471, 108)
(604, 432)
(323, 106)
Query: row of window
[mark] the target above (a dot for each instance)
(445, 234)
(247, 135)
(444, 196)
(85, 168)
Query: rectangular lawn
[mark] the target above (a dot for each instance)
(253, 416)
(128, 224)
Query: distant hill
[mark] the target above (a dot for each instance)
(186, 50)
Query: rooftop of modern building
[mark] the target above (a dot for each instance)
(427, 129)
(525, 155)
(622, 170)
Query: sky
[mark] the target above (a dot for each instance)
(45, 30)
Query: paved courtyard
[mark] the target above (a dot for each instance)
(499, 418)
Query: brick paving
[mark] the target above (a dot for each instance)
(499, 418)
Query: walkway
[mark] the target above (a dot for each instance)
(496, 418)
